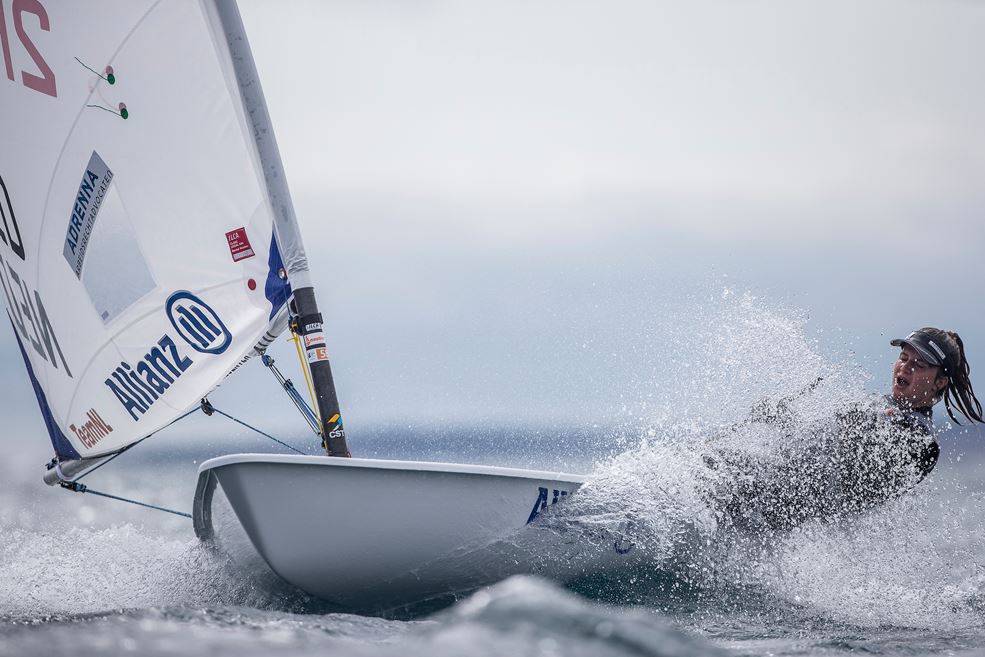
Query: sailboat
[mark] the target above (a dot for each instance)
(150, 249)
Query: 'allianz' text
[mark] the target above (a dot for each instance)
(138, 386)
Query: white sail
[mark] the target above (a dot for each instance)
(138, 260)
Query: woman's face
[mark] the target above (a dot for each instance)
(916, 382)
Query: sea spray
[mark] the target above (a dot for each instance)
(910, 563)
(84, 571)
(730, 355)
(740, 360)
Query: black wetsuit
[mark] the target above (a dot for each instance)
(864, 456)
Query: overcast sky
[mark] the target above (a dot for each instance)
(508, 205)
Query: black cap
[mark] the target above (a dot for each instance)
(934, 351)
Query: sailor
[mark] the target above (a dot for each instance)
(872, 452)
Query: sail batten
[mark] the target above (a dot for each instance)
(140, 250)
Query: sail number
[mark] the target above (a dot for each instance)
(45, 82)
(26, 310)
(29, 315)
(9, 222)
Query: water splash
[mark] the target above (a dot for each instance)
(736, 358)
(85, 571)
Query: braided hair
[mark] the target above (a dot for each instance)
(959, 394)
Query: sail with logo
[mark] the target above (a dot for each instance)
(147, 232)
(149, 248)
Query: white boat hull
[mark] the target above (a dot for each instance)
(379, 534)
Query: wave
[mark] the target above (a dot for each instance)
(520, 616)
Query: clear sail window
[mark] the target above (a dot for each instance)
(115, 273)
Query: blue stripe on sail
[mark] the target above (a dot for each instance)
(63, 448)
(277, 291)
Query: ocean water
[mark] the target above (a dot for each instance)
(82, 575)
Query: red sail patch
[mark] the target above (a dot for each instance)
(239, 245)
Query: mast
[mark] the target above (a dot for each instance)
(309, 319)
(309, 327)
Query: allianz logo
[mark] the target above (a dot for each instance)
(137, 386)
(197, 323)
(542, 502)
(624, 542)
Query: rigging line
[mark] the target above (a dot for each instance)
(95, 71)
(132, 445)
(76, 487)
(111, 111)
(307, 375)
(309, 415)
(262, 433)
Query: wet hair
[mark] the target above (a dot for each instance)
(959, 393)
